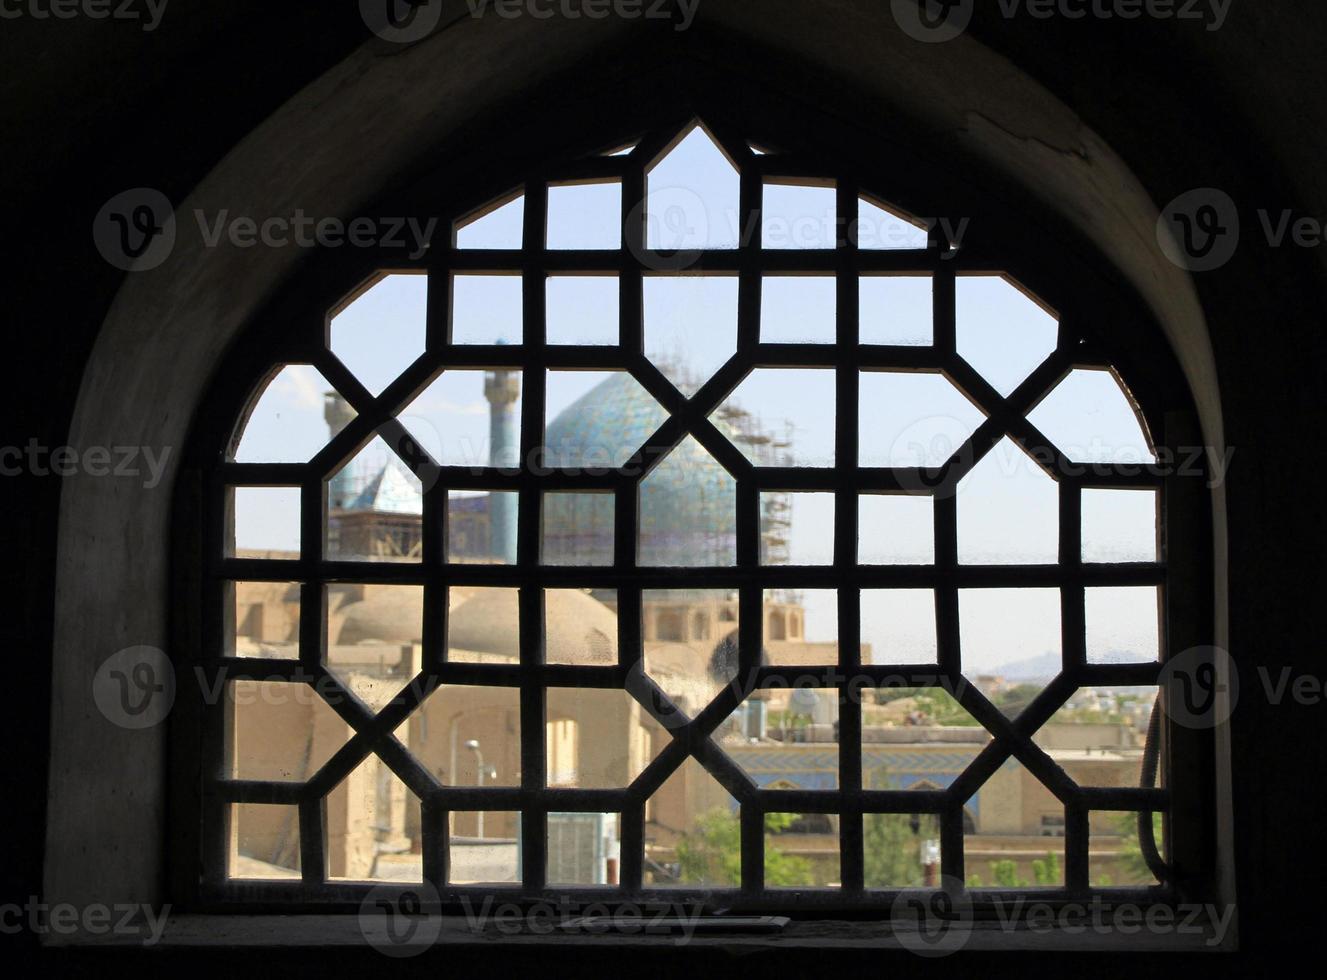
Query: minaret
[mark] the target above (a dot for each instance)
(502, 389)
(344, 485)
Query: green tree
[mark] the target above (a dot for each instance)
(891, 848)
(1005, 875)
(941, 707)
(1047, 873)
(784, 869)
(711, 855)
(1133, 866)
(892, 852)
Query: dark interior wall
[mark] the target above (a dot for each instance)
(91, 108)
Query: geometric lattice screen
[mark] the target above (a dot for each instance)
(567, 423)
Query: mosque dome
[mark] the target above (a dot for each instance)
(577, 627)
(687, 502)
(385, 615)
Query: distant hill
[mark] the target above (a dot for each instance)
(1047, 665)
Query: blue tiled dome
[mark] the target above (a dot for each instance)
(687, 503)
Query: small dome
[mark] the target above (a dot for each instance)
(577, 626)
(385, 615)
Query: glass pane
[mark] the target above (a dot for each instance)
(583, 848)
(690, 326)
(264, 841)
(373, 639)
(917, 738)
(1123, 625)
(500, 227)
(688, 511)
(372, 822)
(578, 528)
(690, 644)
(1017, 837)
(381, 332)
(1115, 854)
(467, 736)
(580, 628)
(264, 620)
(799, 216)
(585, 216)
(597, 738)
(469, 418)
(901, 850)
(896, 310)
(782, 417)
(893, 529)
(1010, 642)
(287, 424)
(878, 228)
(797, 528)
(801, 627)
(914, 419)
(801, 850)
(487, 309)
(1120, 525)
(693, 834)
(374, 508)
(267, 523)
(582, 309)
(279, 731)
(481, 527)
(483, 625)
(798, 310)
(790, 741)
(597, 420)
(1000, 331)
(1097, 737)
(483, 847)
(898, 626)
(1008, 511)
(1090, 419)
(692, 196)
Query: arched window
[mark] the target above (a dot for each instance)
(688, 364)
